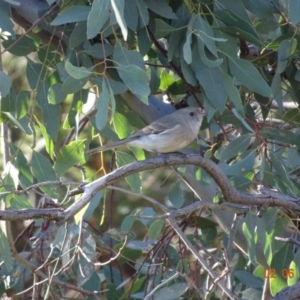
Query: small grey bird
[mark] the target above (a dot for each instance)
(167, 134)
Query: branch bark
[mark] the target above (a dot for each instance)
(230, 193)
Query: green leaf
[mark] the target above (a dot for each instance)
(211, 63)
(144, 41)
(236, 147)
(176, 40)
(72, 85)
(267, 226)
(187, 50)
(204, 223)
(124, 57)
(285, 50)
(22, 104)
(5, 84)
(143, 13)
(261, 8)
(93, 205)
(240, 34)
(20, 202)
(136, 286)
(111, 290)
(35, 73)
(98, 50)
(281, 261)
(135, 78)
(97, 17)
(162, 29)
(187, 71)
(56, 94)
(294, 11)
(131, 15)
(236, 22)
(178, 87)
(131, 68)
(51, 113)
(172, 292)
(292, 116)
(20, 162)
(282, 174)
(77, 72)
(5, 251)
(161, 8)
(233, 94)
(118, 8)
(242, 119)
(156, 229)
(8, 103)
(102, 107)
(75, 14)
(249, 76)
(154, 80)
(121, 125)
(127, 223)
(251, 236)
(211, 79)
(48, 140)
(134, 180)
(205, 33)
(22, 47)
(280, 136)
(5, 22)
(117, 86)
(127, 254)
(68, 156)
(295, 269)
(165, 80)
(112, 101)
(78, 35)
(23, 124)
(249, 280)
(42, 170)
(175, 195)
(242, 166)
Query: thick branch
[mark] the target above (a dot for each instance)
(230, 193)
(26, 214)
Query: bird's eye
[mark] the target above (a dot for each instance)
(192, 114)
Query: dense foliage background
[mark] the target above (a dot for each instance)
(74, 74)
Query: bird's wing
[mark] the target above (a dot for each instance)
(154, 128)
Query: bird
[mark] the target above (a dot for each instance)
(167, 134)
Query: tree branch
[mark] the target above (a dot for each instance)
(230, 193)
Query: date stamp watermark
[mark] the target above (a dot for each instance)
(271, 273)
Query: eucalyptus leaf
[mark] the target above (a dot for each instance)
(19, 46)
(68, 156)
(5, 251)
(22, 104)
(134, 180)
(73, 14)
(118, 8)
(211, 80)
(102, 107)
(236, 147)
(294, 11)
(156, 229)
(176, 195)
(162, 29)
(249, 76)
(77, 72)
(161, 8)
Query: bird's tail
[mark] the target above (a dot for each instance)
(107, 147)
